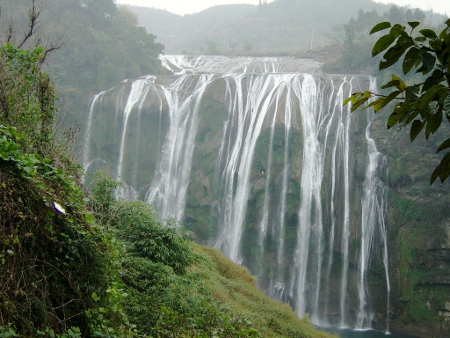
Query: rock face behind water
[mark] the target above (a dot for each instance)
(259, 158)
(419, 233)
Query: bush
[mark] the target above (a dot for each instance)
(147, 237)
(53, 257)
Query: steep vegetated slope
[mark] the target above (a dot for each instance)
(52, 254)
(192, 290)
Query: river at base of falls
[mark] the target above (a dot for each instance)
(348, 333)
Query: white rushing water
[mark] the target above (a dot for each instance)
(169, 186)
(373, 220)
(310, 219)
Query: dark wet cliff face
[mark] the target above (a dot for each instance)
(419, 234)
(267, 165)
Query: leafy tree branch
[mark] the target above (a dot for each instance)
(424, 105)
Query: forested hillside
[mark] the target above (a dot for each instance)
(98, 45)
(275, 28)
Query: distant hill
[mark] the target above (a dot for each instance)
(189, 33)
(282, 26)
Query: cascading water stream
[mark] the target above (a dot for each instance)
(346, 222)
(265, 212)
(86, 160)
(169, 186)
(337, 113)
(253, 112)
(310, 211)
(373, 215)
(137, 94)
(305, 216)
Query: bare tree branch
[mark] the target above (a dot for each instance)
(33, 16)
(34, 36)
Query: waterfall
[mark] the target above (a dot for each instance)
(259, 158)
(373, 210)
(86, 153)
(139, 90)
(169, 186)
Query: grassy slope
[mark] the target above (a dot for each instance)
(236, 288)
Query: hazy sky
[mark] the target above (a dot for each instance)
(193, 6)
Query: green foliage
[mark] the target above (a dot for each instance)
(52, 256)
(181, 305)
(177, 289)
(45, 236)
(355, 43)
(97, 46)
(102, 46)
(210, 322)
(422, 106)
(164, 299)
(146, 237)
(137, 225)
(26, 97)
(8, 331)
(32, 167)
(102, 203)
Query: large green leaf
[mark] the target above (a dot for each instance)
(447, 104)
(385, 100)
(380, 27)
(392, 55)
(444, 145)
(411, 111)
(428, 33)
(444, 32)
(411, 58)
(436, 44)
(416, 128)
(401, 85)
(431, 94)
(358, 103)
(398, 30)
(436, 77)
(384, 42)
(442, 170)
(413, 24)
(433, 122)
(392, 83)
(428, 62)
(393, 119)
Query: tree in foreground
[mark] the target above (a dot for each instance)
(424, 105)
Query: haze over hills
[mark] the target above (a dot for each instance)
(283, 26)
